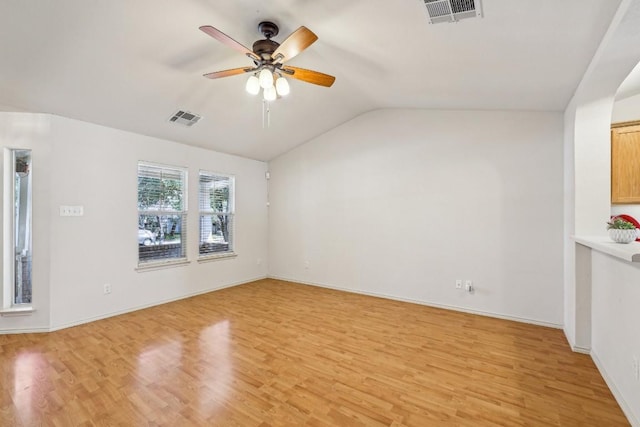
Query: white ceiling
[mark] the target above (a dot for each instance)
(131, 64)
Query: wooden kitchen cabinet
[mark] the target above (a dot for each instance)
(625, 163)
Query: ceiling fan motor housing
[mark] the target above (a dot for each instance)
(264, 48)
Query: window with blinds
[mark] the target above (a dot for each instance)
(216, 197)
(16, 290)
(162, 213)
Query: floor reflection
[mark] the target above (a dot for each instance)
(27, 369)
(217, 377)
(159, 361)
(184, 370)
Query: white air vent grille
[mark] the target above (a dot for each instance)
(452, 10)
(185, 118)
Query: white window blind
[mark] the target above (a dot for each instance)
(216, 199)
(162, 213)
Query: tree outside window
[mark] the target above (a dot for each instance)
(216, 213)
(161, 213)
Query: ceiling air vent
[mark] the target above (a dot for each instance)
(185, 118)
(452, 10)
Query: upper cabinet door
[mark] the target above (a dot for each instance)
(625, 163)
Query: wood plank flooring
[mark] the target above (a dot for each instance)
(273, 353)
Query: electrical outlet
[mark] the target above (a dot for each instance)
(468, 286)
(306, 265)
(636, 368)
(258, 261)
(107, 288)
(458, 284)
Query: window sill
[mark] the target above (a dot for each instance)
(158, 265)
(17, 311)
(216, 257)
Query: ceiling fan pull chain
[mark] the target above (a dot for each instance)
(266, 114)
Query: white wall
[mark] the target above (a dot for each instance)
(569, 295)
(31, 131)
(633, 210)
(626, 109)
(404, 202)
(96, 167)
(615, 330)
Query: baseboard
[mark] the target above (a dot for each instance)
(142, 307)
(24, 331)
(578, 349)
(426, 303)
(633, 420)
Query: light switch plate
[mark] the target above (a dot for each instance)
(71, 210)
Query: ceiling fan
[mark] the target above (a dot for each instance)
(269, 59)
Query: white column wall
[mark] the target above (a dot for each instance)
(603, 325)
(569, 296)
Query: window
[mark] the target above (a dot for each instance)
(162, 213)
(17, 291)
(216, 214)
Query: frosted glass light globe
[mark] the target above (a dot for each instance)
(266, 78)
(253, 85)
(270, 94)
(282, 86)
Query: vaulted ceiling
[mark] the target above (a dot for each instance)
(132, 64)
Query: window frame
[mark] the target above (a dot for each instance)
(229, 213)
(8, 297)
(156, 263)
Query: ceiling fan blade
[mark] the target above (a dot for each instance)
(298, 41)
(309, 76)
(225, 39)
(227, 73)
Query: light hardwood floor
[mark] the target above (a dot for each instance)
(272, 353)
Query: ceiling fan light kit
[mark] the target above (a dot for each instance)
(265, 81)
(269, 59)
